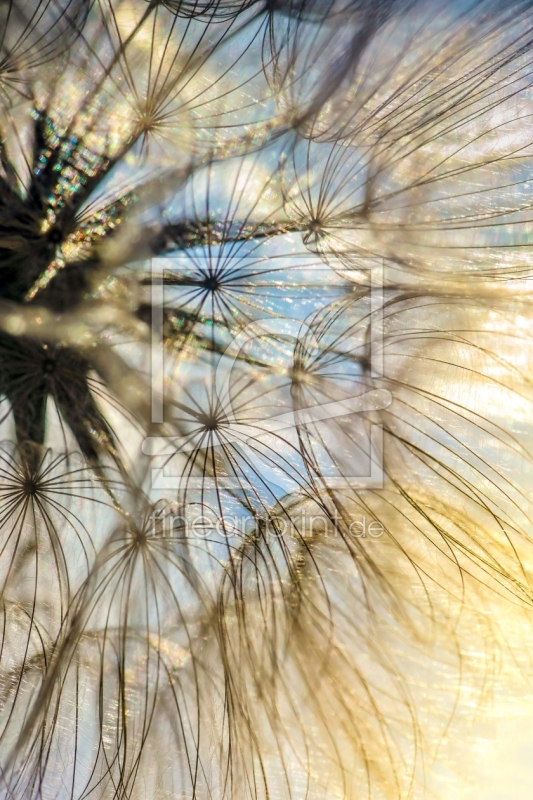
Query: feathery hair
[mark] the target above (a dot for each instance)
(265, 359)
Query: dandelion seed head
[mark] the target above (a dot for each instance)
(193, 201)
